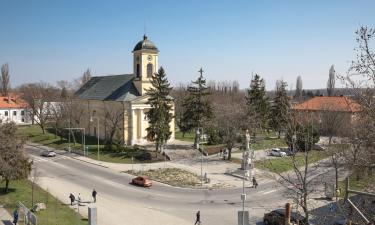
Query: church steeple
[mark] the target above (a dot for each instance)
(145, 57)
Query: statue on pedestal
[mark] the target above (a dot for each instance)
(246, 155)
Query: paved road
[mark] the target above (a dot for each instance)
(122, 203)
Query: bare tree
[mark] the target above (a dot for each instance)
(298, 93)
(86, 77)
(39, 97)
(5, 79)
(114, 115)
(227, 121)
(333, 123)
(301, 181)
(361, 79)
(331, 81)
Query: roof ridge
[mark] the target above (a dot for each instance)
(113, 75)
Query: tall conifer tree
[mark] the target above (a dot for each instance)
(280, 109)
(257, 103)
(159, 116)
(197, 109)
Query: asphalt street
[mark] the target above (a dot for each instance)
(119, 202)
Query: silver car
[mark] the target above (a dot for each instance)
(277, 152)
(48, 153)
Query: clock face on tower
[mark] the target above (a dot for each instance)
(149, 58)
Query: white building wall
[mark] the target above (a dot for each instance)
(18, 116)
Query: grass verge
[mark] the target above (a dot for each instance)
(172, 176)
(56, 212)
(34, 134)
(284, 164)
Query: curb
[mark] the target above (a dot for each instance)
(43, 147)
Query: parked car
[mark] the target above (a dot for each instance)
(277, 152)
(319, 147)
(142, 181)
(277, 217)
(288, 151)
(48, 153)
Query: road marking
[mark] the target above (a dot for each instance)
(268, 192)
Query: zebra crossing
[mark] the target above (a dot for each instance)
(37, 159)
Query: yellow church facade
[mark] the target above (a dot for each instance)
(115, 106)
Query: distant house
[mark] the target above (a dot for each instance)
(321, 108)
(13, 109)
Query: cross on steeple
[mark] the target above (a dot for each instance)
(201, 72)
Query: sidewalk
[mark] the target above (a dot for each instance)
(214, 166)
(5, 217)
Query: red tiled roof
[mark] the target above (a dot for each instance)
(335, 103)
(11, 103)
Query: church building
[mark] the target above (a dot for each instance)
(114, 106)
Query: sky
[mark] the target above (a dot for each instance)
(50, 40)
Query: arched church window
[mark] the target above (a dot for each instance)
(138, 71)
(149, 70)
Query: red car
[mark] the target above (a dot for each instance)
(142, 181)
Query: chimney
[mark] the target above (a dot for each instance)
(287, 213)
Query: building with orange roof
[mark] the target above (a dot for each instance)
(323, 110)
(13, 109)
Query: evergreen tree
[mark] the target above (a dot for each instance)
(197, 109)
(281, 107)
(159, 116)
(257, 103)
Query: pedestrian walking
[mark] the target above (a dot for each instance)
(94, 193)
(15, 217)
(255, 183)
(198, 218)
(79, 198)
(72, 198)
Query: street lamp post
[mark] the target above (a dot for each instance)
(91, 120)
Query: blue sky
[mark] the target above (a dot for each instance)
(58, 40)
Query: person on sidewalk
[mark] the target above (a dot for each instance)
(15, 217)
(255, 183)
(79, 199)
(72, 198)
(94, 193)
(198, 218)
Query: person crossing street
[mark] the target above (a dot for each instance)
(94, 193)
(198, 218)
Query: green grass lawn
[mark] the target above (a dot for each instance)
(283, 164)
(267, 143)
(189, 136)
(34, 134)
(358, 185)
(56, 212)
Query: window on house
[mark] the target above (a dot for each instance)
(23, 120)
(22, 112)
(6, 113)
(14, 113)
(138, 71)
(149, 70)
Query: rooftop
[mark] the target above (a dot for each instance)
(334, 103)
(109, 88)
(11, 103)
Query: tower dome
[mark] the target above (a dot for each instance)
(145, 44)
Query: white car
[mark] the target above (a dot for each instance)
(48, 153)
(277, 152)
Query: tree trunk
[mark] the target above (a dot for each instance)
(6, 185)
(229, 154)
(43, 129)
(279, 134)
(330, 139)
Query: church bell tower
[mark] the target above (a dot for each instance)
(145, 64)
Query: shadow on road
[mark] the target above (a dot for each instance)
(7, 222)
